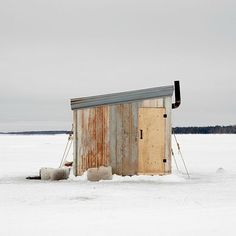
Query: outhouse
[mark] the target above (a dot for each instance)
(129, 131)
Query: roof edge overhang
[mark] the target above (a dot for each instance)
(123, 97)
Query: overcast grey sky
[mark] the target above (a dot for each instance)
(54, 50)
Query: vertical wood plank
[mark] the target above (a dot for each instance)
(126, 133)
(133, 169)
(75, 142)
(119, 137)
(99, 138)
(79, 144)
(80, 148)
(107, 159)
(113, 137)
(160, 102)
(85, 141)
(91, 139)
(168, 128)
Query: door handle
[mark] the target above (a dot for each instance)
(141, 134)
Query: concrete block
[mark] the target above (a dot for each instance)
(92, 174)
(60, 173)
(54, 173)
(101, 173)
(45, 173)
(105, 173)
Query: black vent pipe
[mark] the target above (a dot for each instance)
(177, 95)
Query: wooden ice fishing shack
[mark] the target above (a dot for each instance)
(129, 131)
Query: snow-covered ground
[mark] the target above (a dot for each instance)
(205, 204)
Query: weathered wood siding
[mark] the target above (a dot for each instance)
(93, 138)
(75, 142)
(108, 135)
(123, 130)
(123, 138)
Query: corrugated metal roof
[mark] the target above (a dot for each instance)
(123, 97)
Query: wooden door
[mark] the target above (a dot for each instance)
(151, 141)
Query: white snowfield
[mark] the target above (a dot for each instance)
(138, 205)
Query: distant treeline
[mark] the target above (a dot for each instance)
(231, 129)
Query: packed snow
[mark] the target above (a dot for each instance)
(205, 204)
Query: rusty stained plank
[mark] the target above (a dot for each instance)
(119, 139)
(102, 135)
(113, 137)
(99, 135)
(93, 138)
(106, 141)
(91, 154)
